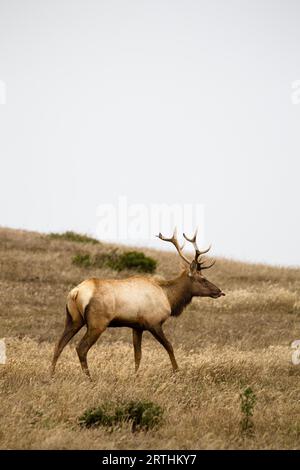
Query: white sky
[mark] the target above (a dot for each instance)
(159, 101)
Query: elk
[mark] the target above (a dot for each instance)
(140, 303)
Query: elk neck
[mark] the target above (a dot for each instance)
(179, 292)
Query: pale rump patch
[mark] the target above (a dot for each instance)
(79, 298)
(73, 293)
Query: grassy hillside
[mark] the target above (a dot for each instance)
(222, 346)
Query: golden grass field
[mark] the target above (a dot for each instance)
(222, 346)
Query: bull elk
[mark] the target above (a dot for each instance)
(140, 303)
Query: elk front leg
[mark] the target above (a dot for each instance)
(158, 334)
(137, 345)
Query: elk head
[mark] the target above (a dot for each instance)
(199, 285)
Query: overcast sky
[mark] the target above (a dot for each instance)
(186, 102)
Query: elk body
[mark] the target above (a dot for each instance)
(140, 303)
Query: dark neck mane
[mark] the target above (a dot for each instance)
(178, 292)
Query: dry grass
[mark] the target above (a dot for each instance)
(222, 346)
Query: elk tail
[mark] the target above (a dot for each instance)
(72, 305)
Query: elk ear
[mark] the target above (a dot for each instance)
(193, 268)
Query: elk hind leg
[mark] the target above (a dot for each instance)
(85, 344)
(71, 328)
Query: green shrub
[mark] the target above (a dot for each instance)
(132, 260)
(97, 417)
(107, 260)
(143, 415)
(248, 400)
(83, 260)
(135, 260)
(73, 237)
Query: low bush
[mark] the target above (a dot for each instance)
(143, 415)
(73, 237)
(247, 401)
(132, 260)
(82, 260)
(137, 261)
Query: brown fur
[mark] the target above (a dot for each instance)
(178, 292)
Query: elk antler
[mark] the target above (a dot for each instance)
(174, 240)
(198, 253)
(206, 267)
